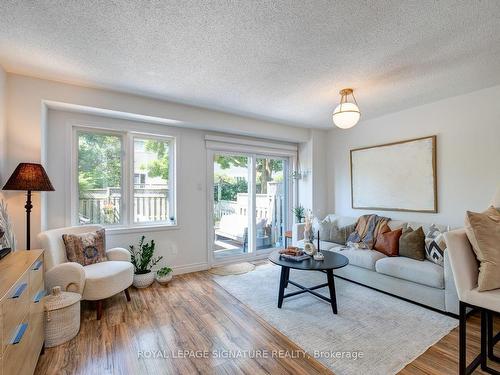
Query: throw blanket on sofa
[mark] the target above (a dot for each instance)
(367, 230)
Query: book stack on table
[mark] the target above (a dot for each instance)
(294, 254)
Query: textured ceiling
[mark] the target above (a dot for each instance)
(277, 60)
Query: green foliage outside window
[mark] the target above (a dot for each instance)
(265, 168)
(160, 166)
(99, 161)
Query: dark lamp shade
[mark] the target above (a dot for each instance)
(29, 176)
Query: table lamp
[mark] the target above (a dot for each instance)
(29, 177)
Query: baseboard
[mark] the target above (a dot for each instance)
(193, 267)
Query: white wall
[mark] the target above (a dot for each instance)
(27, 115)
(468, 153)
(185, 246)
(313, 187)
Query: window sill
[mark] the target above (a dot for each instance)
(141, 229)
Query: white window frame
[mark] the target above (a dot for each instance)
(127, 177)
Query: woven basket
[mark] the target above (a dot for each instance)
(62, 317)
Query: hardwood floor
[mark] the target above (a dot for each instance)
(194, 314)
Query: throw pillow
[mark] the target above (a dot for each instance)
(435, 245)
(412, 243)
(340, 235)
(324, 228)
(86, 248)
(483, 231)
(388, 241)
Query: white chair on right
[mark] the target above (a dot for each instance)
(465, 271)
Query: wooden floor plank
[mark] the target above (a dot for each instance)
(195, 313)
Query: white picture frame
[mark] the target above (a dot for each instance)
(398, 176)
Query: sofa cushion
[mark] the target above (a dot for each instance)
(435, 245)
(340, 234)
(388, 241)
(323, 228)
(417, 271)
(412, 243)
(483, 231)
(102, 280)
(359, 257)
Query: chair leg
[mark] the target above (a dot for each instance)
(127, 294)
(99, 309)
(484, 318)
(462, 361)
(492, 339)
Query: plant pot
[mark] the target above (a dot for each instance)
(163, 280)
(143, 280)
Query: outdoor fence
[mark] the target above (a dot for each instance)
(102, 206)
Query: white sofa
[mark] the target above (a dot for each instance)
(423, 282)
(94, 282)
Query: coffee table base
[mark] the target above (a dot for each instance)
(285, 280)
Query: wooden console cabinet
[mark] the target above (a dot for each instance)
(21, 311)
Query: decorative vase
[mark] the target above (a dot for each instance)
(143, 280)
(163, 280)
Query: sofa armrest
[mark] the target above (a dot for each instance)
(462, 261)
(297, 233)
(118, 253)
(450, 289)
(69, 276)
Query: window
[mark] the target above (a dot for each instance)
(124, 179)
(99, 178)
(151, 163)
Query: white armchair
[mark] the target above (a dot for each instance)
(465, 271)
(94, 282)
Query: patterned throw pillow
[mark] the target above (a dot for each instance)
(435, 245)
(86, 248)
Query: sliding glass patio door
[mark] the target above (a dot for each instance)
(231, 203)
(249, 204)
(270, 202)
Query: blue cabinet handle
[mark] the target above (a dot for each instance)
(20, 333)
(37, 265)
(39, 296)
(20, 289)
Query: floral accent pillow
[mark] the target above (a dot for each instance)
(86, 248)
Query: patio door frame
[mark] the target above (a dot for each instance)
(252, 152)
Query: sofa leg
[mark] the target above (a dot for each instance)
(127, 294)
(99, 309)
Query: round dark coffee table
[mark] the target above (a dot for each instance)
(332, 261)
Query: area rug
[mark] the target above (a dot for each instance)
(232, 269)
(373, 333)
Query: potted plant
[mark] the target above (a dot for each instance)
(300, 213)
(143, 261)
(164, 275)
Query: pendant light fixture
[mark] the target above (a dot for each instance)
(347, 114)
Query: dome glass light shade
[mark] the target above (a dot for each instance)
(346, 115)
